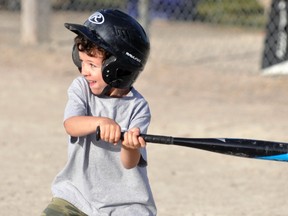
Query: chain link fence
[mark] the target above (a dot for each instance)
(236, 12)
(175, 25)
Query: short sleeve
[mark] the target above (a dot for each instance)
(77, 99)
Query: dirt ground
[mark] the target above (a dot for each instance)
(201, 81)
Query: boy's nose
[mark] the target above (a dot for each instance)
(85, 71)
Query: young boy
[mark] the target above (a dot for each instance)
(106, 176)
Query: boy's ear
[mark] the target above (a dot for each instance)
(76, 58)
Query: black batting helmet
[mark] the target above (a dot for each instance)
(120, 35)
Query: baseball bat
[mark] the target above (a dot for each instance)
(248, 148)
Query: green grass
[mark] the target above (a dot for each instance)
(232, 12)
(107, 3)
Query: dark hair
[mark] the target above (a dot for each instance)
(90, 48)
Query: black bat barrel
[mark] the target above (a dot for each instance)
(236, 147)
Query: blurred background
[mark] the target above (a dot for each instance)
(204, 78)
(249, 15)
(240, 12)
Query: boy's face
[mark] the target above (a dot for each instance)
(92, 71)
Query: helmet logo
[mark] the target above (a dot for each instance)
(96, 18)
(133, 57)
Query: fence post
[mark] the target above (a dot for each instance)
(35, 21)
(275, 55)
(143, 9)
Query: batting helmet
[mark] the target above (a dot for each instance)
(120, 35)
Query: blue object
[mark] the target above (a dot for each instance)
(281, 157)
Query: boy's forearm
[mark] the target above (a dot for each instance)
(81, 125)
(130, 157)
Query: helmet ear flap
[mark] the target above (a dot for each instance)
(108, 70)
(76, 58)
(116, 76)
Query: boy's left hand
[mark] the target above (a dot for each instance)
(133, 140)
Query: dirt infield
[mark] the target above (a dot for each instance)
(195, 88)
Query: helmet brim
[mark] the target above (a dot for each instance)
(92, 36)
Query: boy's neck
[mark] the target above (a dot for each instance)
(115, 92)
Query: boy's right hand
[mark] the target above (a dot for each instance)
(110, 131)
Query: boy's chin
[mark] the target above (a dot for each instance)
(101, 92)
(96, 92)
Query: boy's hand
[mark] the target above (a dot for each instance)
(110, 131)
(133, 140)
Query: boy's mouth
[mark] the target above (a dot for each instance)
(91, 83)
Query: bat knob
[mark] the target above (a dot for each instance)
(98, 133)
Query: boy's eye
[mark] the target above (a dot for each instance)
(90, 65)
(93, 66)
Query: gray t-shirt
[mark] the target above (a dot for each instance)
(94, 179)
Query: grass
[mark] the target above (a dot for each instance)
(232, 12)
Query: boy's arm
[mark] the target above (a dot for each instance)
(78, 126)
(130, 154)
